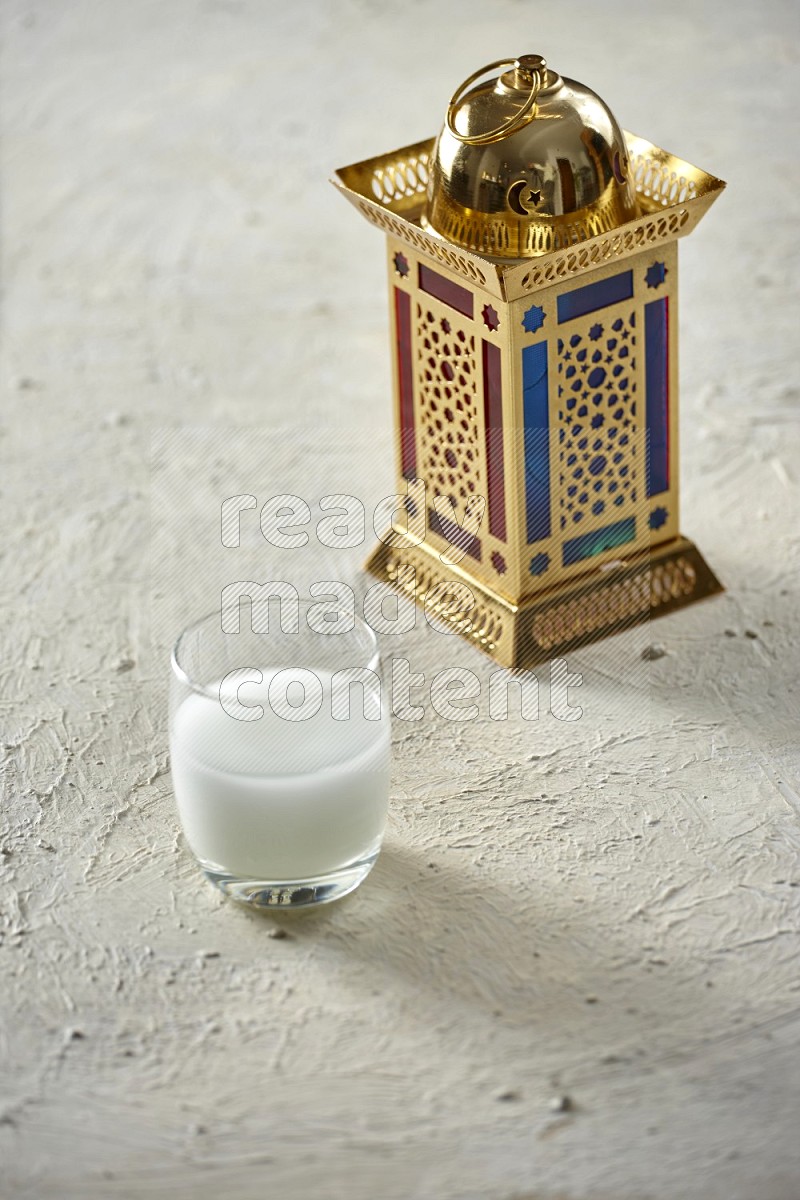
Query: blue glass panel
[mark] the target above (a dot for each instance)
(656, 371)
(537, 441)
(599, 540)
(595, 295)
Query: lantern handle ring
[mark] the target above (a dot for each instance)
(530, 65)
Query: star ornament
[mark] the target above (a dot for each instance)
(658, 517)
(533, 320)
(490, 317)
(401, 264)
(656, 274)
(539, 564)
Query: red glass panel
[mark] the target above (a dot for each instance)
(405, 384)
(445, 290)
(455, 534)
(493, 421)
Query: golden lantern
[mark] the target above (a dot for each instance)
(532, 255)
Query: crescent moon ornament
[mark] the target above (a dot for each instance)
(522, 199)
(620, 166)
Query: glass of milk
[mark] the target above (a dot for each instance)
(279, 748)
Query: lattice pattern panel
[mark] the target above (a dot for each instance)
(619, 602)
(425, 243)
(483, 624)
(658, 180)
(447, 381)
(494, 237)
(646, 232)
(401, 177)
(598, 469)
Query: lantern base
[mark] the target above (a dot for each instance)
(613, 597)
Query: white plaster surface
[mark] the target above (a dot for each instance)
(604, 910)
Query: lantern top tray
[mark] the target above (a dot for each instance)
(390, 191)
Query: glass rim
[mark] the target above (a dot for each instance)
(304, 602)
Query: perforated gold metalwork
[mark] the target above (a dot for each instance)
(657, 176)
(633, 238)
(573, 614)
(420, 574)
(424, 242)
(400, 178)
(620, 603)
(493, 236)
(597, 417)
(450, 432)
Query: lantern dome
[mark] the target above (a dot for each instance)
(527, 162)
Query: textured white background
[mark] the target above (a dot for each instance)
(606, 910)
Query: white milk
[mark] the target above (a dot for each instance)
(279, 800)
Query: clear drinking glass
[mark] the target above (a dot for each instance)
(279, 748)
